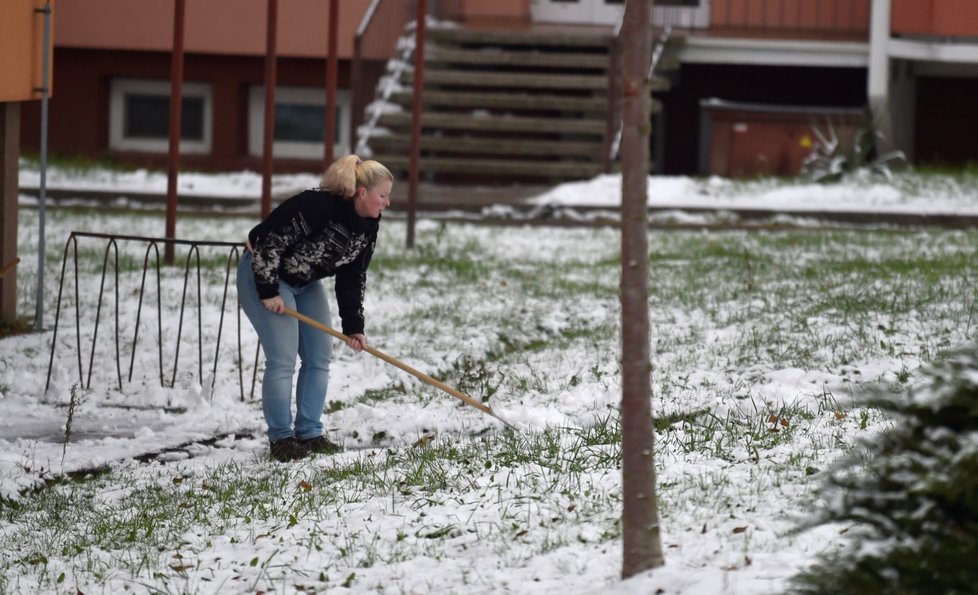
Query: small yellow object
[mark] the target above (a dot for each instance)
(806, 142)
(423, 441)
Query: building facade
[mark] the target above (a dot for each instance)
(749, 76)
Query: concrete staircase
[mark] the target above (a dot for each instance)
(506, 107)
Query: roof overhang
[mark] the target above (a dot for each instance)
(774, 52)
(933, 51)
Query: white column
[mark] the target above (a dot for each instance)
(878, 83)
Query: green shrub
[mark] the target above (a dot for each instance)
(910, 495)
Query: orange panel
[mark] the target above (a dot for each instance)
(21, 51)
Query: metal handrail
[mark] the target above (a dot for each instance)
(375, 39)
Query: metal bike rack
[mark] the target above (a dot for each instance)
(152, 249)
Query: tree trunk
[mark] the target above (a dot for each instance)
(642, 548)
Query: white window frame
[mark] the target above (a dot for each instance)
(117, 117)
(697, 16)
(301, 95)
(596, 12)
(601, 13)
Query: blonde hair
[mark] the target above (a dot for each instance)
(346, 174)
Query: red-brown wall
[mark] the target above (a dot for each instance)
(79, 112)
(791, 17)
(953, 18)
(234, 27)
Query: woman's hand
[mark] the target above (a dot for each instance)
(357, 342)
(274, 304)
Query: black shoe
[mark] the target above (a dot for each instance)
(288, 449)
(320, 445)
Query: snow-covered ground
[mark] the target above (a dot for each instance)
(727, 519)
(906, 193)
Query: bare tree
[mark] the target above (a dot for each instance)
(642, 547)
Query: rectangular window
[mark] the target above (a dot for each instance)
(139, 116)
(148, 117)
(300, 122)
(295, 122)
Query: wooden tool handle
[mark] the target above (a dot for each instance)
(396, 362)
(9, 266)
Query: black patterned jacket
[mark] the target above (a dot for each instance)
(312, 235)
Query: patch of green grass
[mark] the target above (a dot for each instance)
(334, 406)
(459, 264)
(78, 164)
(97, 526)
(18, 326)
(728, 311)
(909, 496)
(966, 171)
(382, 394)
(662, 423)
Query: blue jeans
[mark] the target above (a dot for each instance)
(282, 339)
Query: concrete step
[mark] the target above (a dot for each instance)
(506, 105)
(565, 170)
(524, 59)
(510, 80)
(553, 39)
(519, 80)
(507, 101)
(496, 123)
(400, 144)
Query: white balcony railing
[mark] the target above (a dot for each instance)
(696, 16)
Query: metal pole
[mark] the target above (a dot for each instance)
(422, 11)
(42, 193)
(176, 114)
(269, 138)
(331, 68)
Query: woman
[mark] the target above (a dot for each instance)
(330, 231)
